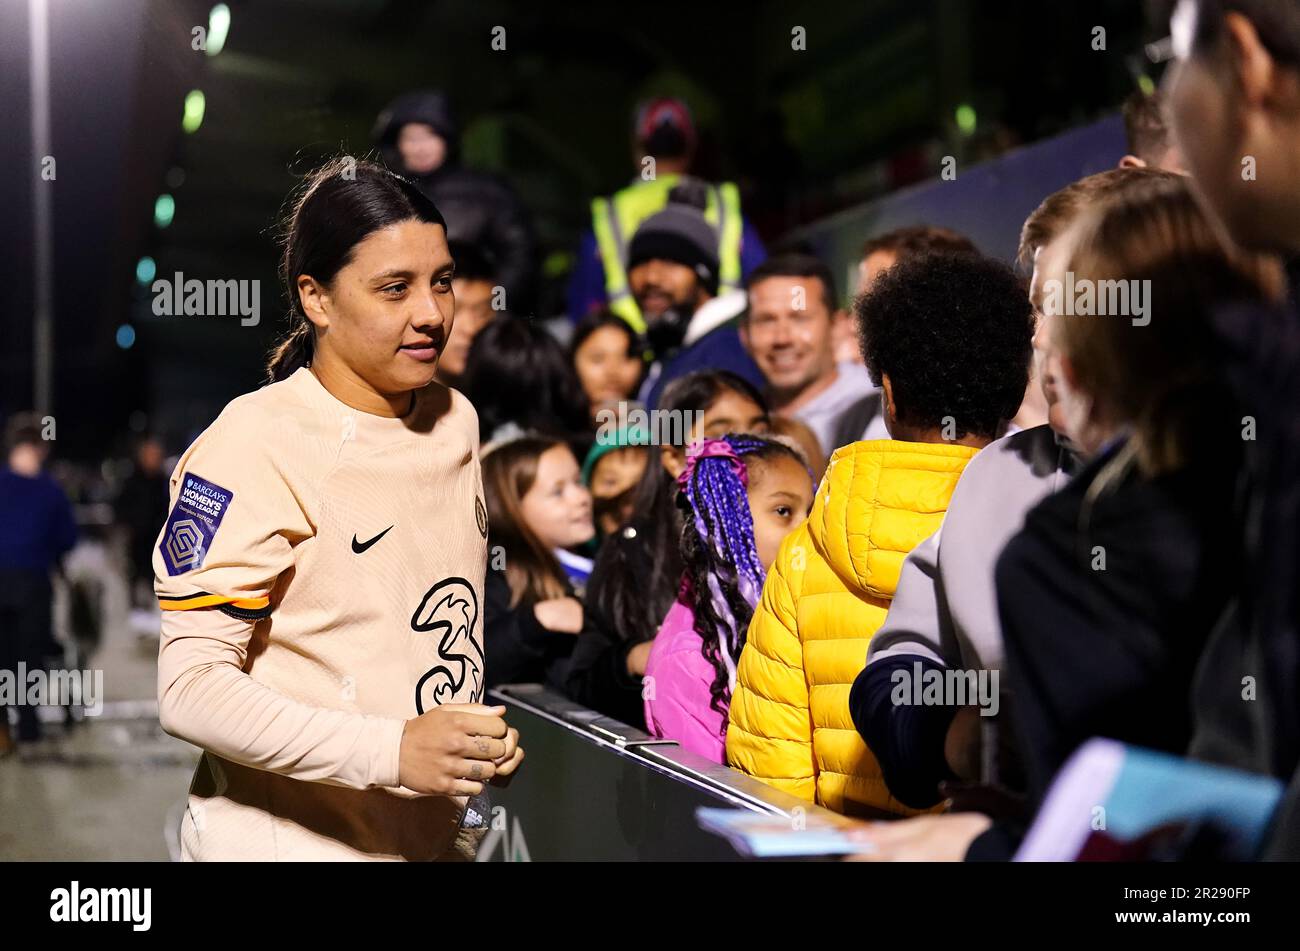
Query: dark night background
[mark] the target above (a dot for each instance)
(805, 133)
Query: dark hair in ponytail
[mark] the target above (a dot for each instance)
(338, 206)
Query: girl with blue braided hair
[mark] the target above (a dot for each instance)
(739, 496)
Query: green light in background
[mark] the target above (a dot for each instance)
(164, 210)
(966, 119)
(145, 269)
(1147, 85)
(558, 263)
(218, 28)
(195, 103)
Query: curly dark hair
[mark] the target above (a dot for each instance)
(952, 332)
(723, 577)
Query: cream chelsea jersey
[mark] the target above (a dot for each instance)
(335, 559)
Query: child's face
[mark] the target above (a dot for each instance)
(607, 371)
(612, 475)
(731, 412)
(558, 506)
(780, 497)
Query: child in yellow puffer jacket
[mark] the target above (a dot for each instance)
(947, 337)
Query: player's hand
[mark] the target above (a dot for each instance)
(454, 749)
(559, 614)
(509, 763)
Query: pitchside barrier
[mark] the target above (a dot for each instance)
(595, 789)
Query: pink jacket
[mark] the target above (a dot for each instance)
(676, 688)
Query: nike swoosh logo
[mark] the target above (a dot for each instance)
(360, 547)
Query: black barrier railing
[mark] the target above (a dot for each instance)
(595, 789)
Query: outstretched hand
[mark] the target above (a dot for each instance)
(942, 838)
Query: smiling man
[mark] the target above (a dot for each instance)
(789, 331)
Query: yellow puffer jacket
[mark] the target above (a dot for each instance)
(825, 597)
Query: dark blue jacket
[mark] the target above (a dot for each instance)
(719, 349)
(36, 523)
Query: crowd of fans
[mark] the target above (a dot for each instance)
(955, 472)
(958, 473)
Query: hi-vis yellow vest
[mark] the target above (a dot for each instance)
(615, 220)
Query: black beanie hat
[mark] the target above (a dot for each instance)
(680, 233)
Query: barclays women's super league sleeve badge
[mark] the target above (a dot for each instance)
(193, 524)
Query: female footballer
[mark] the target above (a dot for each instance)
(321, 569)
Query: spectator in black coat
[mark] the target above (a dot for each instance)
(418, 136)
(141, 510)
(1232, 109)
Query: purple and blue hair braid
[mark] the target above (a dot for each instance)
(715, 486)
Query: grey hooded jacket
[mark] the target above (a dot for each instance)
(946, 606)
(945, 617)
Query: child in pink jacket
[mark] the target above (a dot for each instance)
(740, 495)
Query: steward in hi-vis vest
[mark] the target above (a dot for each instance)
(616, 218)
